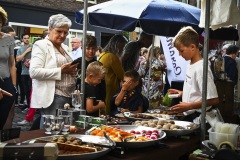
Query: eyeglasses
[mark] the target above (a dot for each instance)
(60, 32)
(74, 42)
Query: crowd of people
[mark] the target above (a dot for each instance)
(123, 76)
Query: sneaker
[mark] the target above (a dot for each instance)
(22, 107)
(25, 111)
(24, 122)
(21, 104)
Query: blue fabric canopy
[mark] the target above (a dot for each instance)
(159, 17)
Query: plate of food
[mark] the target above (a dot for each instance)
(76, 146)
(170, 127)
(137, 116)
(129, 136)
(119, 115)
(173, 113)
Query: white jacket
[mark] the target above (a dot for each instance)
(44, 72)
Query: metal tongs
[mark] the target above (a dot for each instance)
(110, 145)
(111, 142)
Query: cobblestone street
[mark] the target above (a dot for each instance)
(19, 116)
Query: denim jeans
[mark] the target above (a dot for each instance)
(27, 85)
(58, 102)
(19, 85)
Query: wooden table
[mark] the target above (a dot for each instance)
(177, 148)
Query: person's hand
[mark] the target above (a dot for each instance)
(126, 85)
(181, 107)
(69, 69)
(102, 107)
(29, 49)
(175, 91)
(3, 92)
(124, 110)
(101, 104)
(3, 35)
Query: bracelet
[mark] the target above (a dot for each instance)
(124, 90)
(16, 89)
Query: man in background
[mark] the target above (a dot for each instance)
(31, 111)
(131, 51)
(231, 64)
(24, 57)
(76, 48)
(19, 102)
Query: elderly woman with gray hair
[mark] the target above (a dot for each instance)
(50, 68)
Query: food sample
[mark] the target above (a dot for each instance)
(168, 112)
(115, 134)
(70, 145)
(142, 116)
(118, 135)
(66, 106)
(163, 124)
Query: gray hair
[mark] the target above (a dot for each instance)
(59, 20)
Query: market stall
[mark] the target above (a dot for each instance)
(173, 148)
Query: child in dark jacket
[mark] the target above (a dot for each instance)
(129, 97)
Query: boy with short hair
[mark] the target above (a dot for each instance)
(94, 75)
(230, 63)
(129, 98)
(187, 43)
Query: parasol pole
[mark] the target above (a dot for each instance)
(205, 70)
(83, 67)
(150, 66)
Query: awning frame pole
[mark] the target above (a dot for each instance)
(83, 67)
(205, 70)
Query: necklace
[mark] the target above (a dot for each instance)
(128, 95)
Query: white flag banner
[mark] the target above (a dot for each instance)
(176, 65)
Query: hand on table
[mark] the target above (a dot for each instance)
(181, 107)
(124, 110)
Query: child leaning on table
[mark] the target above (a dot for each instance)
(94, 75)
(187, 43)
(129, 97)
